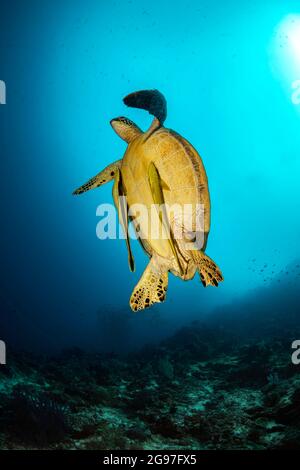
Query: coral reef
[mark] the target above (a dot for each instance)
(203, 388)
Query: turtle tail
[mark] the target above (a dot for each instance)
(150, 100)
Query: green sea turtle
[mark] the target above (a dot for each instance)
(162, 173)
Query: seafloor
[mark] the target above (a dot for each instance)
(206, 387)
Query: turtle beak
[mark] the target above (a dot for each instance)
(125, 128)
(120, 125)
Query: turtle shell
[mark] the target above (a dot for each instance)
(184, 184)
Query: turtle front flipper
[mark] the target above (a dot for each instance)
(210, 273)
(101, 178)
(151, 288)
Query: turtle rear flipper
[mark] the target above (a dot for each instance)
(151, 288)
(210, 273)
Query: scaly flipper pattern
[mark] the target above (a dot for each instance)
(101, 178)
(210, 273)
(151, 288)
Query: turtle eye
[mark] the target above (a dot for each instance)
(126, 121)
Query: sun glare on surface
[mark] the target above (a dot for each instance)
(285, 54)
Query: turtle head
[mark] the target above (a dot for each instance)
(125, 128)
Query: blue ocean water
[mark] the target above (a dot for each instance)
(228, 71)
